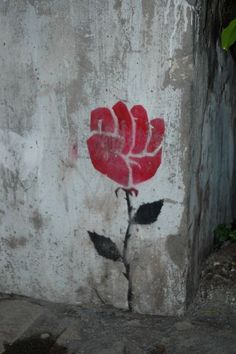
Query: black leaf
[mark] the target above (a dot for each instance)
(105, 246)
(148, 213)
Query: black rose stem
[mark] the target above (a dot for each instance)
(128, 193)
(145, 214)
(125, 250)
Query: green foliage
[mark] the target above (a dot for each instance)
(228, 36)
(224, 233)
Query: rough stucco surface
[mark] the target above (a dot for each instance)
(61, 59)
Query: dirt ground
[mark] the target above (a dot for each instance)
(28, 326)
(218, 278)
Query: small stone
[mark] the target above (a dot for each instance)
(158, 349)
(216, 264)
(183, 326)
(45, 336)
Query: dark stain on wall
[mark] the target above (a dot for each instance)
(192, 2)
(36, 220)
(42, 7)
(148, 8)
(4, 6)
(2, 213)
(11, 182)
(176, 249)
(14, 242)
(152, 276)
(19, 96)
(118, 4)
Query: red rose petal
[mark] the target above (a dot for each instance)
(158, 128)
(104, 152)
(109, 152)
(101, 119)
(144, 168)
(141, 128)
(125, 125)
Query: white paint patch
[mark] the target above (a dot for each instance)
(182, 20)
(20, 153)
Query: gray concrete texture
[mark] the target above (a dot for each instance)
(106, 330)
(59, 61)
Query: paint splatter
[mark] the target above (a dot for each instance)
(74, 152)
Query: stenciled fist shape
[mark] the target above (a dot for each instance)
(124, 145)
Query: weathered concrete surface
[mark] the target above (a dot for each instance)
(212, 136)
(110, 331)
(15, 318)
(60, 60)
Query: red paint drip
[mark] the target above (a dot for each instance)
(74, 152)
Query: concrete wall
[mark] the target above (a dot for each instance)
(60, 60)
(212, 137)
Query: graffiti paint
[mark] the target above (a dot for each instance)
(127, 148)
(124, 145)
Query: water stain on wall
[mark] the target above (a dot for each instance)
(72, 95)
(11, 183)
(118, 4)
(148, 13)
(176, 249)
(2, 213)
(42, 7)
(149, 280)
(180, 72)
(37, 220)
(19, 96)
(104, 205)
(4, 6)
(14, 242)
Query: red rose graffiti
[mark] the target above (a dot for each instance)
(126, 147)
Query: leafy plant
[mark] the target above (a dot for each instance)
(223, 233)
(228, 35)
